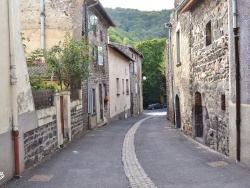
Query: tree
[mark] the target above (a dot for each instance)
(69, 62)
(153, 66)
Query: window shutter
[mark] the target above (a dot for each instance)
(135, 67)
(100, 56)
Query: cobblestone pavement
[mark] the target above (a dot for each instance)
(136, 175)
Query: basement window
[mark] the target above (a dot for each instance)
(223, 102)
(208, 34)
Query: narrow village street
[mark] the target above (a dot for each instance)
(163, 157)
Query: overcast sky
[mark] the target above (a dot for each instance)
(139, 4)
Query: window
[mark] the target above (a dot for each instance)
(95, 54)
(135, 67)
(208, 34)
(178, 46)
(223, 102)
(101, 36)
(100, 56)
(117, 86)
(136, 88)
(93, 101)
(123, 86)
(127, 87)
(94, 30)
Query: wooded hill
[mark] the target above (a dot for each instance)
(134, 26)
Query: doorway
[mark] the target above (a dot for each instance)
(198, 115)
(178, 112)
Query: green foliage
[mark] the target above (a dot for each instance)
(153, 67)
(133, 25)
(37, 83)
(35, 56)
(69, 62)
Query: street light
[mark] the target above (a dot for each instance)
(144, 78)
(93, 20)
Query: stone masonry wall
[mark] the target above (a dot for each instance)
(41, 141)
(181, 72)
(77, 125)
(60, 17)
(209, 71)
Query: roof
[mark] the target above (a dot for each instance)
(126, 49)
(120, 51)
(38, 70)
(136, 51)
(186, 5)
(102, 12)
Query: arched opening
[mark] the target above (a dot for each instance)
(198, 115)
(177, 112)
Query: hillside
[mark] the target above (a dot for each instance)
(133, 25)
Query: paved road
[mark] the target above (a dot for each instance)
(143, 151)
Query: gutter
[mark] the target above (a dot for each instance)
(237, 79)
(13, 81)
(42, 17)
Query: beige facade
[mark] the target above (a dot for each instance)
(119, 82)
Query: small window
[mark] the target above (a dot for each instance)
(208, 34)
(223, 102)
(123, 86)
(178, 45)
(136, 88)
(93, 100)
(95, 54)
(127, 87)
(100, 55)
(135, 67)
(101, 36)
(94, 30)
(117, 86)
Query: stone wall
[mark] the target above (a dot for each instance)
(203, 68)
(77, 125)
(41, 141)
(60, 17)
(209, 71)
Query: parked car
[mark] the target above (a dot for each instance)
(155, 106)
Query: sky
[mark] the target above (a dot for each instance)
(144, 5)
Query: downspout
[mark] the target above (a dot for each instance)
(169, 25)
(86, 7)
(42, 16)
(13, 81)
(237, 78)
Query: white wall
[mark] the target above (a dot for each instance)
(118, 68)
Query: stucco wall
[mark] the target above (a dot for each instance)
(244, 45)
(118, 68)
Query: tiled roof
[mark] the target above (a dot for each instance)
(38, 70)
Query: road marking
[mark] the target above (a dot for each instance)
(218, 163)
(41, 178)
(135, 173)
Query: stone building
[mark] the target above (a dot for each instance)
(198, 69)
(45, 23)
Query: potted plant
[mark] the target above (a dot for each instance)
(106, 99)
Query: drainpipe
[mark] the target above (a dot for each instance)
(13, 81)
(86, 7)
(237, 78)
(42, 16)
(169, 25)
